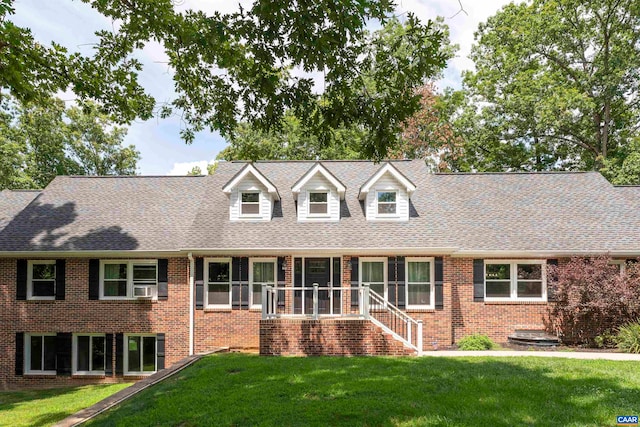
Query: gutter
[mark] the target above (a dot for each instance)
(191, 302)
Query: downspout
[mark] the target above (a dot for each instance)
(191, 287)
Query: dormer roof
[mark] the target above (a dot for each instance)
(387, 168)
(250, 168)
(318, 168)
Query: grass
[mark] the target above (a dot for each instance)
(239, 390)
(46, 407)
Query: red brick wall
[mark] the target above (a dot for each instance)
(77, 314)
(326, 337)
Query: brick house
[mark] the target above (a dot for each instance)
(105, 278)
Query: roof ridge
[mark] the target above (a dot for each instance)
(324, 161)
(514, 173)
(130, 176)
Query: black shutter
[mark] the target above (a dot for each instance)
(160, 344)
(21, 279)
(235, 283)
(478, 280)
(297, 272)
(245, 293)
(63, 353)
(119, 354)
(355, 281)
(19, 353)
(552, 281)
(337, 272)
(391, 281)
(439, 280)
(60, 279)
(199, 283)
(94, 279)
(108, 355)
(281, 281)
(400, 270)
(163, 279)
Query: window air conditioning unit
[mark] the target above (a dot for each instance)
(142, 291)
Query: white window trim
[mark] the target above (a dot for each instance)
(30, 265)
(259, 203)
(251, 282)
(206, 281)
(513, 266)
(622, 263)
(27, 354)
(74, 352)
(385, 275)
(130, 263)
(432, 278)
(126, 355)
(309, 203)
(387, 215)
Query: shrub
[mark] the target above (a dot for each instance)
(629, 337)
(476, 342)
(606, 340)
(592, 297)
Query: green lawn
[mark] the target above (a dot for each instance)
(239, 390)
(46, 407)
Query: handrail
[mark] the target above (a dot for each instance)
(399, 324)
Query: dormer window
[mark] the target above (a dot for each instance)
(387, 202)
(250, 204)
(318, 203)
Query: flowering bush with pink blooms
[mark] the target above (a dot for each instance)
(593, 297)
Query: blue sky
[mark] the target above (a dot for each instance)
(73, 23)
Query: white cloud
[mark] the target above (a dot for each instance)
(182, 168)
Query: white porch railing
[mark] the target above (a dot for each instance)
(316, 301)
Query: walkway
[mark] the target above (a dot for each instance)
(517, 353)
(119, 397)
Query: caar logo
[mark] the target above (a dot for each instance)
(627, 420)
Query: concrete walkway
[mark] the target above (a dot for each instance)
(119, 397)
(587, 355)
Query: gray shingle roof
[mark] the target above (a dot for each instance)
(106, 213)
(12, 202)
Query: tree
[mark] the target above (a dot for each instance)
(40, 142)
(237, 66)
(556, 84)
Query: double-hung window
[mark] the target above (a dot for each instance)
(218, 281)
(515, 280)
(40, 354)
(387, 202)
(89, 354)
(140, 354)
(373, 272)
(261, 271)
(250, 203)
(126, 279)
(420, 281)
(41, 280)
(318, 203)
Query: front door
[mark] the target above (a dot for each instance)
(317, 270)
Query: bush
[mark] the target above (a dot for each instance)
(629, 337)
(592, 298)
(476, 342)
(606, 340)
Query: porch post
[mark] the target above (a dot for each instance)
(364, 301)
(265, 307)
(419, 337)
(315, 301)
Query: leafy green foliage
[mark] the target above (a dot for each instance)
(385, 391)
(476, 342)
(555, 83)
(45, 140)
(628, 338)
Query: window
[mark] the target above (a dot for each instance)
(40, 354)
(420, 282)
(387, 202)
(140, 354)
(42, 280)
(318, 203)
(515, 280)
(250, 203)
(261, 271)
(218, 282)
(125, 279)
(372, 271)
(89, 354)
